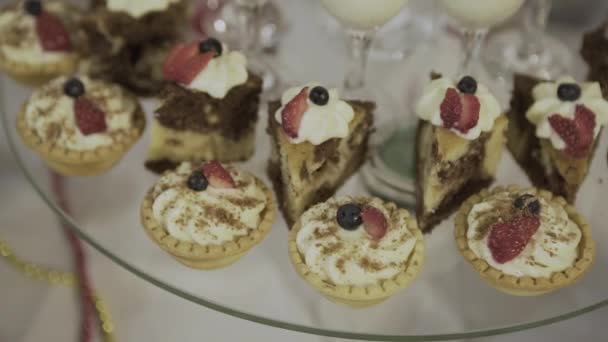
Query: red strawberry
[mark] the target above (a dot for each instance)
(451, 108)
(508, 239)
(177, 58)
(291, 116)
(374, 222)
(52, 34)
(217, 176)
(89, 118)
(459, 111)
(192, 67)
(470, 113)
(577, 133)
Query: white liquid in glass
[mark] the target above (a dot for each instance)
(364, 14)
(481, 13)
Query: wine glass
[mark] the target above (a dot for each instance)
(476, 18)
(528, 49)
(361, 20)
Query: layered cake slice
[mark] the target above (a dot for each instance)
(459, 143)
(208, 107)
(594, 51)
(318, 142)
(553, 129)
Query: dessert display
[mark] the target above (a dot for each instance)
(459, 144)
(38, 40)
(595, 52)
(208, 215)
(318, 142)
(128, 40)
(208, 107)
(356, 251)
(553, 130)
(80, 126)
(524, 242)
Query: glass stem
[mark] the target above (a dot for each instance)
(360, 42)
(248, 27)
(535, 24)
(473, 41)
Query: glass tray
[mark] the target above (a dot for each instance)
(447, 301)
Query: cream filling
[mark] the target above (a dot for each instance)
(345, 257)
(553, 248)
(139, 8)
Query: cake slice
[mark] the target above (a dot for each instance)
(208, 107)
(459, 144)
(553, 129)
(318, 142)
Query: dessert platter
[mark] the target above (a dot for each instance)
(176, 167)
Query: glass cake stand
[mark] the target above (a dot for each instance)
(448, 301)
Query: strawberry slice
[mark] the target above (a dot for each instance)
(577, 133)
(52, 34)
(459, 111)
(291, 116)
(89, 118)
(188, 71)
(470, 113)
(217, 175)
(451, 108)
(177, 58)
(374, 222)
(509, 238)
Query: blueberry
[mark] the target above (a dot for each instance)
(534, 207)
(319, 96)
(210, 44)
(349, 216)
(467, 85)
(73, 88)
(33, 7)
(197, 181)
(568, 91)
(520, 202)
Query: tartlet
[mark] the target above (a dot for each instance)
(459, 144)
(208, 107)
(38, 41)
(207, 216)
(517, 265)
(80, 126)
(349, 270)
(318, 142)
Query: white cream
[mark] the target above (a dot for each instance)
(428, 107)
(553, 248)
(192, 216)
(28, 48)
(50, 114)
(318, 237)
(139, 8)
(547, 103)
(319, 123)
(481, 13)
(221, 74)
(364, 14)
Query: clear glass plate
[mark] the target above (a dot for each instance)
(447, 301)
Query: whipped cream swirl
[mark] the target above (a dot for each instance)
(345, 257)
(212, 216)
(221, 74)
(319, 123)
(553, 248)
(139, 8)
(19, 41)
(547, 103)
(50, 114)
(428, 107)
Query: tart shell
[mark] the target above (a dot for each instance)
(36, 75)
(69, 162)
(361, 296)
(209, 257)
(526, 286)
